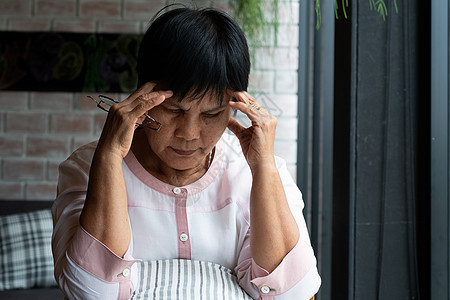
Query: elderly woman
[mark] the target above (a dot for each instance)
(165, 181)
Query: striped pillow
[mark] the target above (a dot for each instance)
(188, 280)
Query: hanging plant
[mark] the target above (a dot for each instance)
(252, 16)
(377, 5)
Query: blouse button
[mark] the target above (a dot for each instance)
(265, 289)
(176, 190)
(183, 237)
(126, 272)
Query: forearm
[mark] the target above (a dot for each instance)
(105, 213)
(274, 231)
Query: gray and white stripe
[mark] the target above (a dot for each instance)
(188, 280)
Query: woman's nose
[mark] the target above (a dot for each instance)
(188, 129)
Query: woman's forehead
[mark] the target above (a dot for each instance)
(206, 100)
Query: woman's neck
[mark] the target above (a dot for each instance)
(156, 167)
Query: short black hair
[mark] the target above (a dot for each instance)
(193, 52)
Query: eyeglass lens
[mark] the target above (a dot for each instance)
(108, 101)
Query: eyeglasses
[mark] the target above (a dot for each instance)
(104, 103)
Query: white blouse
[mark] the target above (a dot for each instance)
(208, 220)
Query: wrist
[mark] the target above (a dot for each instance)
(265, 166)
(107, 155)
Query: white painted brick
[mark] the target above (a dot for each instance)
(286, 82)
(15, 7)
(74, 25)
(262, 81)
(29, 24)
(118, 27)
(50, 101)
(11, 191)
(286, 129)
(78, 141)
(288, 35)
(40, 191)
(286, 104)
(288, 12)
(287, 150)
(13, 100)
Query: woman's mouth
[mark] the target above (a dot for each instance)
(183, 152)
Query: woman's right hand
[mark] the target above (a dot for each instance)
(105, 211)
(120, 124)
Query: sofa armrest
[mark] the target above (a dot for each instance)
(9, 207)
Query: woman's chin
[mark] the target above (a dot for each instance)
(183, 164)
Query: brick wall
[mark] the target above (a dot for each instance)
(38, 130)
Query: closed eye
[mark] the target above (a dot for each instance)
(175, 111)
(211, 115)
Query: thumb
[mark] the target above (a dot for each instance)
(236, 127)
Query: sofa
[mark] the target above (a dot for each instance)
(26, 264)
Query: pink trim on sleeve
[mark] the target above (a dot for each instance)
(97, 259)
(292, 269)
(125, 290)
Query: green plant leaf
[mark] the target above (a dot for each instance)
(377, 5)
(251, 15)
(318, 14)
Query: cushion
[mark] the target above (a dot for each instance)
(187, 279)
(25, 250)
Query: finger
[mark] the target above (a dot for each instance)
(241, 97)
(255, 105)
(245, 97)
(250, 98)
(147, 101)
(146, 92)
(246, 109)
(145, 98)
(144, 89)
(133, 112)
(235, 127)
(153, 95)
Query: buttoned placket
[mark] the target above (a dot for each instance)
(266, 293)
(184, 243)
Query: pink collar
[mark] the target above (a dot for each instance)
(138, 170)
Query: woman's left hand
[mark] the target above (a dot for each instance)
(258, 140)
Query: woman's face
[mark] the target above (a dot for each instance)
(189, 131)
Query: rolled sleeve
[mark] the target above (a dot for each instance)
(97, 259)
(293, 269)
(93, 257)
